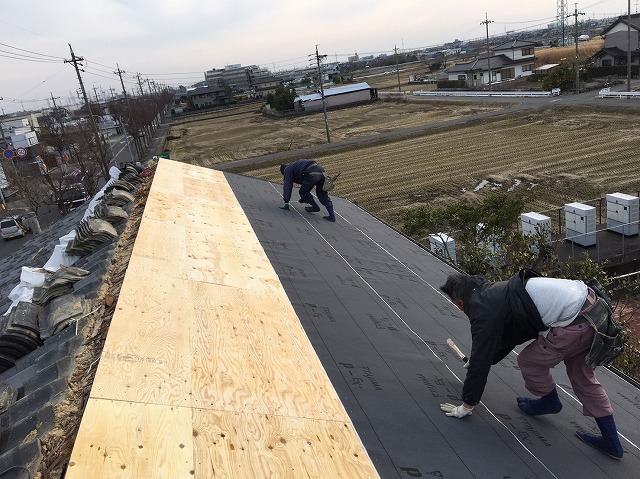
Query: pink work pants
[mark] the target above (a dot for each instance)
(570, 344)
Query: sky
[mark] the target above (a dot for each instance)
(171, 42)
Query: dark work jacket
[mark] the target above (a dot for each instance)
(502, 315)
(293, 173)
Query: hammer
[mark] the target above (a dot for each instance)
(456, 350)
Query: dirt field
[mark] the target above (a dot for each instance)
(553, 156)
(233, 136)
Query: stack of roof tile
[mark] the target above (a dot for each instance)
(57, 284)
(61, 312)
(112, 214)
(90, 233)
(19, 334)
(117, 197)
(120, 184)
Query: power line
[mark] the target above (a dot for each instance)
(29, 51)
(27, 58)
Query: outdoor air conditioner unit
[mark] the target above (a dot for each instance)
(580, 223)
(535, 223)
(443, 245)
(622, 213)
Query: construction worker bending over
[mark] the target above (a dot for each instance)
(552, 311)
(308, 174)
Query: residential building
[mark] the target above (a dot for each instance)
(207, 97)
(616, 42)
(19, 132)
(507, 61)
(262, 86)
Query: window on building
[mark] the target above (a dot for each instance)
(462, 77)
(508, 73)
(527, 51)
(527, 68)
(606, 63)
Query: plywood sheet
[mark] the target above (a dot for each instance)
(120, 439)
(206, 356)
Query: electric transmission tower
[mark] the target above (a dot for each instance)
(562, 15)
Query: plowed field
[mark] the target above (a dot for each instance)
(552, 155)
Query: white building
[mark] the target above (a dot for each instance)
(336, 96)
(507, 61)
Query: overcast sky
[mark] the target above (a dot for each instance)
(172, 42)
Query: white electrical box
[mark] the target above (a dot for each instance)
(496, 255)
(534, 224)
(580, 223)
(622, 213)
(443, 245)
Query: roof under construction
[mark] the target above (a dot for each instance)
(248, 341)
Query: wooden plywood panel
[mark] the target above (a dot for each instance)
(147, 355)
(253, 356)
(240, 446)
(236, 260)
(131, 440)
(160, 239)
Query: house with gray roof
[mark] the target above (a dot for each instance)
(207, 97)
(619, 37)
(507, 61)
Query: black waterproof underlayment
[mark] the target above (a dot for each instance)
(369, 301)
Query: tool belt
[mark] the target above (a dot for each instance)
(313, 170)
(607, 343)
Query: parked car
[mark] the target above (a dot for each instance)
(11, 228)
(70, 197)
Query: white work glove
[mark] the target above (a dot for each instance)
(455, 411)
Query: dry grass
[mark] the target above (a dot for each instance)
(249, 134)
(568, 53)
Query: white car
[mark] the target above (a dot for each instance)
(11, 228)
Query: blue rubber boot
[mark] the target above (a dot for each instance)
(332, 216)
(547, 404)
(608, 442)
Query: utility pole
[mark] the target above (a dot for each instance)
(126, 99)
(75, 60)
(575, 39)
(95, 92)
(395, 52)
(486, 23)
(140, 84)
(324, 106)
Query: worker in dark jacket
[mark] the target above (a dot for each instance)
(550, 311)
(308, 174)
(502, 315)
